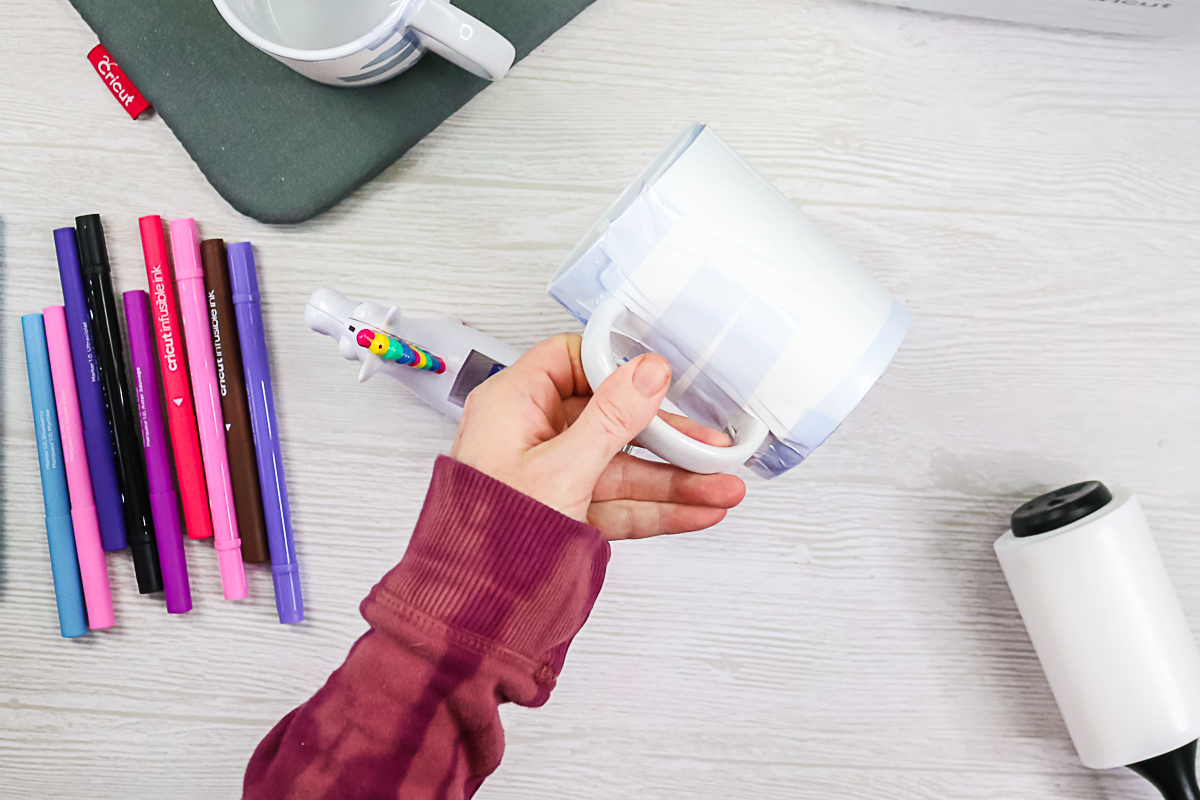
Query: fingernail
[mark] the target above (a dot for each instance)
(651, 375)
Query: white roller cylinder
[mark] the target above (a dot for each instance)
(1110, 634)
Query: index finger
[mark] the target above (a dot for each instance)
(573, 407)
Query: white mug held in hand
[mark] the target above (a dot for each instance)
(772, 332)
(363, 42)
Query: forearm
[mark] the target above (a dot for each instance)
(480, 611)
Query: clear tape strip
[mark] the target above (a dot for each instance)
(816, 426)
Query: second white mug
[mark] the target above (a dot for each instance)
(363, 42)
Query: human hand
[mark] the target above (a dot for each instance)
(537, 427)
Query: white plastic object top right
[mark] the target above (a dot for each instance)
(1174, 19)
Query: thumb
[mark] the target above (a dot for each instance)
(618, 411)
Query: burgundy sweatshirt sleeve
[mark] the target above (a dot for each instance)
(480, 611)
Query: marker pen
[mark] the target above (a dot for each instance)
(235, 408)
(163, 503)
(106, 336)
(289, 602)
(193, 307)
(93, 569)
(67, 591)
(177, 390)
(96, 433)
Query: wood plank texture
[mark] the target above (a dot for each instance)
(1032, 195)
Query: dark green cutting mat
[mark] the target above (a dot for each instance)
(279, 147)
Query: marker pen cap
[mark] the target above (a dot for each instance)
(243, 276)
(176, 588)
(289, 602)
(93, 252)
(97, 592)
(229, 562)
(68, 594)
(185, 245)
(1105, 622)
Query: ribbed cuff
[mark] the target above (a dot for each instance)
(498, 565)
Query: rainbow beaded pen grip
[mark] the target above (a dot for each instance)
(392, 348)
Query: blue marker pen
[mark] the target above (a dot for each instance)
(289, 602)
(96, 435)
(68, 591)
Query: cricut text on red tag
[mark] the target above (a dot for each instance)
(117, 82)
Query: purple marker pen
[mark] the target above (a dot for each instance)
(163, 507)
(289, 600)
(96, 435)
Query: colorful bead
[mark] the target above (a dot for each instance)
(391, 348)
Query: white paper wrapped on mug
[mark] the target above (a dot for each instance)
(765, 321)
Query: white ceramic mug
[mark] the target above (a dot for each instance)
(773, 333)
(363, 42)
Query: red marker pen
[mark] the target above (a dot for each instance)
(180, 414)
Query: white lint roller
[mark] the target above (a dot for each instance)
(1109, 631)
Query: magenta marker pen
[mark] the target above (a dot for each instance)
(163, 507)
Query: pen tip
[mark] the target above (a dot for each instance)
(90, 235)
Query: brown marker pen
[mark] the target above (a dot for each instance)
(235, 408)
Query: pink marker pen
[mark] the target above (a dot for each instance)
(193, 307)
(93, 571)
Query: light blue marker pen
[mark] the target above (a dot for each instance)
(68, 591)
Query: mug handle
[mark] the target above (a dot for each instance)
(461, 39)
(659, 437)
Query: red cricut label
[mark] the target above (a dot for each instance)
(117, 82)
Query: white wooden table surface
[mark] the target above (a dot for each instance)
(1033, 196)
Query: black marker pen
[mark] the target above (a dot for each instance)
(106, 334)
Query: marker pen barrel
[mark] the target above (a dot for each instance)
(67, 592)
(106, 336)
(177, 390)
(163, 502)
(189, 280)
(289, 602)
(235, 408)
(93, 569)
(96, 434)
